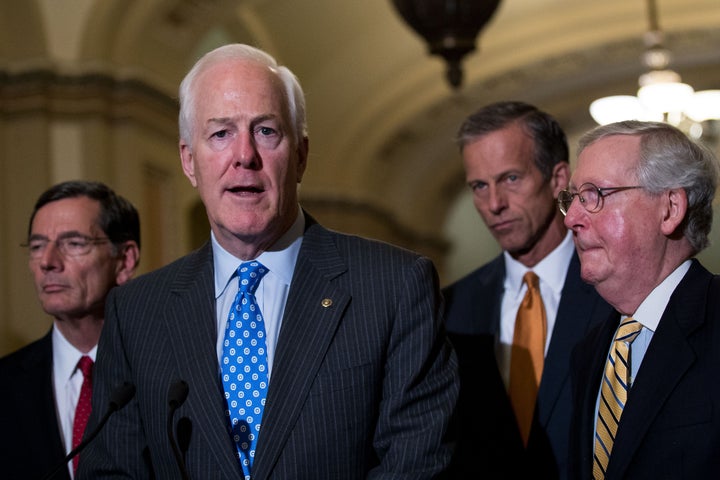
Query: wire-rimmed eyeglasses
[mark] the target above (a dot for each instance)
(590, 195)
(70, 246)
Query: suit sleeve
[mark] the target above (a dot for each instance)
(420, 386)
(120, 450)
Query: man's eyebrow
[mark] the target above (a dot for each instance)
(220, 121)
(226, 120)
(264, 117)
(37, 236)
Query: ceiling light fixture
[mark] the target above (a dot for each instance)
(662, 95)
(448, 26)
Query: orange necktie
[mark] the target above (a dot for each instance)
(528, 355)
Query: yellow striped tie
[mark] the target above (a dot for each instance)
(613, 395)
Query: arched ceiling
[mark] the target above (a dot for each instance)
(381, 116)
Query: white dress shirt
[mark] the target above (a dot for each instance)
(272, 292)
(67, 382)
(551, 271)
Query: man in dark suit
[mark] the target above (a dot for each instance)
(646, 392)
(83, 239)
(362, 380)
(516, 162)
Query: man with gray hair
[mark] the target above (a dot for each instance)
(646, 390)
(308, 354)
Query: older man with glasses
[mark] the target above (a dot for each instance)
(646, 390)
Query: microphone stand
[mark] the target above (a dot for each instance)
(119, 397)
(177, 393)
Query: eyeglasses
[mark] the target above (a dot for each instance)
(591, 197)
(73, 246)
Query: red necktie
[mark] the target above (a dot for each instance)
(84, 405)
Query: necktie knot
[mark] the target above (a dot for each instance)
(628, 331)
(250, 274)
(533, 284)
(85, 365)
(532, 280)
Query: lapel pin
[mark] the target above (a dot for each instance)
(326, 302)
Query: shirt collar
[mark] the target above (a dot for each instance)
(652, 308)
(551, 270)
(279, 259)
(66, 356)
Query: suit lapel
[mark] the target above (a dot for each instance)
(668, 358)
(312, 314)
(485, 306)
(191, 328)
(39, 398)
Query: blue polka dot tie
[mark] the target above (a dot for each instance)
(244, 365)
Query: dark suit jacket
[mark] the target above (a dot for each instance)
(362, 388)
(489, 442)
(30, 442)
(670, 427)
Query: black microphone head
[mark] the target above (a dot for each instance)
(177, 393)
(121, 396)
(184, 433)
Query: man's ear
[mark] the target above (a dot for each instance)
(675, 205)
(560, 177)
(302, 152)
(127, 261)
(188, 162)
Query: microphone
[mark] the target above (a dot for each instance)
(177, 394)
(184, 433)
(119, 397)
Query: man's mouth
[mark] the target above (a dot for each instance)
(504, 225)
(248, 189)
(53, 287)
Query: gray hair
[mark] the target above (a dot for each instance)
(293, 91)
(669, 159)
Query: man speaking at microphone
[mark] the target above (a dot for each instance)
(83, 240)
(309, 354)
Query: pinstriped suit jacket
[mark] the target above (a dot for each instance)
(363, 388)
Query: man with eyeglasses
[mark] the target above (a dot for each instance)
(513, 416)
(645, 382)
(83, 239)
